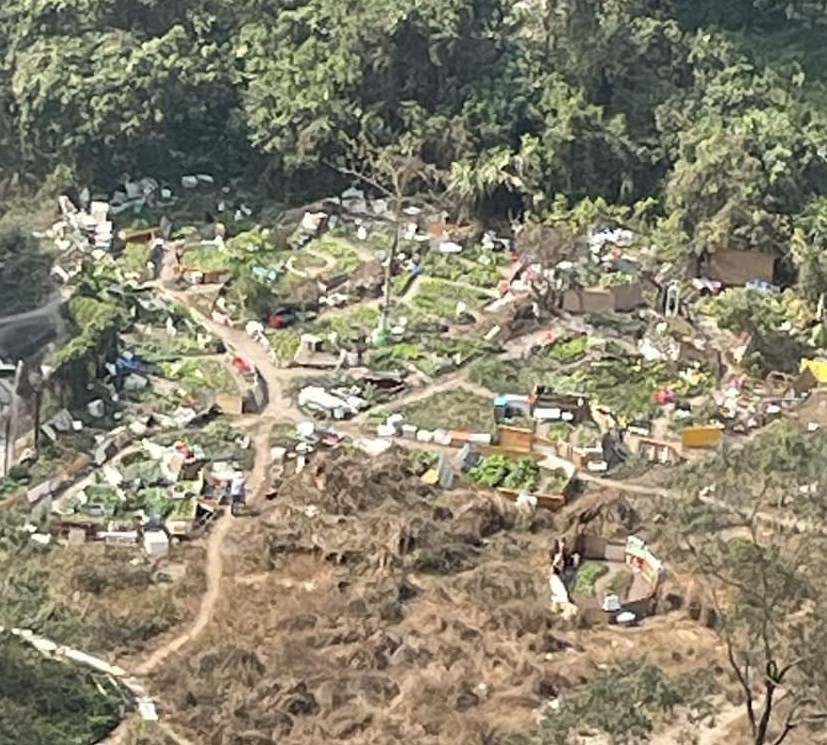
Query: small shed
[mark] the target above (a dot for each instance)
(731, 267)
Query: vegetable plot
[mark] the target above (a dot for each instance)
(502, 471)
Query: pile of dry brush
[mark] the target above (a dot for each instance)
(367, 607)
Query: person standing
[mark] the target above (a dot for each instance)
(238, 492)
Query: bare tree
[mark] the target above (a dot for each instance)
(398, 174)
(762, 584)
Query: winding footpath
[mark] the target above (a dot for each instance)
(278, 408)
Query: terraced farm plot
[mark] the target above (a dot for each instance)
(454, 409)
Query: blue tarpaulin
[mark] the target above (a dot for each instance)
(130, 363)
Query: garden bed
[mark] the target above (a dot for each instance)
(569, 350)
(522, 376)
(458, 268)
(437, 299)
(509, 473)
(455, 409)
(201, 375)
(340, 249)
(624, 385)
(432, 355)
(347, 323)
(587, 575)
(308, 261)
(218, 440)
(154, 344)
(284, 343)
(207, 258)
(134, 258)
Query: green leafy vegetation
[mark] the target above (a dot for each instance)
(349, 323)
(134, 258)
(779, 326)
(702, 122)
(200, 375)
(218, 440)
(559, 431)
(345, 256)
(305, 261)
(484, 271)
(587, 576)
(624, 385)
(424, 460)
(207, 258)
(701, 125)
(554, 482)
(763, 575)
(284, 343)
(431, 354)
(437, 299)
(569, 350)
(586, 435)
(789, 460)
(97, 311)
(154, 344)
(87, 596)
(501, 471)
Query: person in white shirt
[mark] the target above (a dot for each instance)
(238, 492)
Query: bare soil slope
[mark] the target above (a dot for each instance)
(364, 606)
(391, 614)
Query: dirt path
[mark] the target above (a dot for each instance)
(277, 405)
(215, 564)
(214, 571)
(329, 264)
(768, 518)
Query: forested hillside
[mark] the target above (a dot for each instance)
(706, 116)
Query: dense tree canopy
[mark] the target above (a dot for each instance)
(40, 699)
(24, 272)
(709, 113)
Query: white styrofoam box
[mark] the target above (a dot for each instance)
(481, 438)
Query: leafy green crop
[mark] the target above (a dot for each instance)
(587, 576)
(569, 350)
(500, 470)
